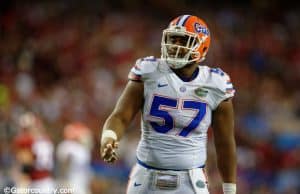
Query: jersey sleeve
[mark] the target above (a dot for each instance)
(142, 68)
(224, 86)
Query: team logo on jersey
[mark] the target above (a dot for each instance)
(201, 92)
(182, 89)
(200, 184)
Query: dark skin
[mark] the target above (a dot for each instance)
(223, 130)
(124, 112)
(131, 102)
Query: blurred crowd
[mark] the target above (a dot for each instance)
(64, 63)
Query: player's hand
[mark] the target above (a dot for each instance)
(108, 150)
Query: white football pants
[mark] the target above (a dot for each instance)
(150, 181)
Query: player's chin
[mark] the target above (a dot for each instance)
(178, 56)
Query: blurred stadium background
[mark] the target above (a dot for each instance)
(67, 61)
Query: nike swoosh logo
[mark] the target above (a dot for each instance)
(161, 85)
(137, 184)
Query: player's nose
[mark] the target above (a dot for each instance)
(178, 41)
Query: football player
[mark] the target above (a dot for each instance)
(179, 100)
(74, 156)
(34, 152)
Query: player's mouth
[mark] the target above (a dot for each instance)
(180, 54)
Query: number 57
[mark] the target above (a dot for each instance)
(157, 112)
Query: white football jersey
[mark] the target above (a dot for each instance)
(177, 114)
(79, 157)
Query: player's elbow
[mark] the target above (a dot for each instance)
(121, 117)
(225, 145)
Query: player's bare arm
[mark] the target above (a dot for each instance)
(223, 128)
(126, 108)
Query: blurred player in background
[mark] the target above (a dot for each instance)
(74, 156)
(34, 153)
(179, 100)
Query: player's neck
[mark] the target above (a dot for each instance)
(186, 73)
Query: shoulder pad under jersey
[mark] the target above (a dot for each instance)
(223, 86)
(142, 68)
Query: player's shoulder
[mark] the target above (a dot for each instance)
(147, 64)
(145, 68)
(216, 77)
(67, 146)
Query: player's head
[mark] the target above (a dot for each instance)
(77, 131)
(30, 122)
(186, 40)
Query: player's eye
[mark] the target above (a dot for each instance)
(181, 40)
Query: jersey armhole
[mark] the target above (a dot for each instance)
(139, 81)
(134, 77)
(227, 99)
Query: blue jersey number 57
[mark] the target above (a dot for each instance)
(168, 124)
